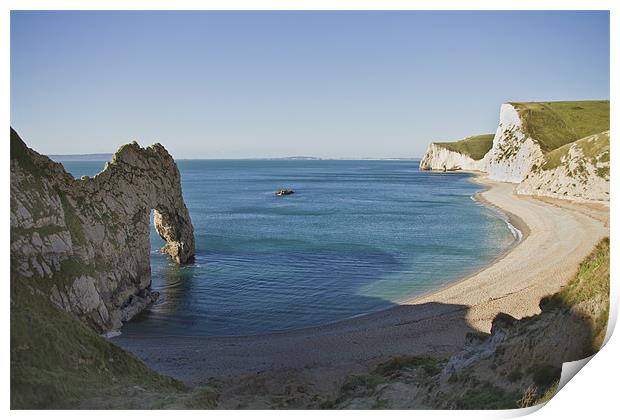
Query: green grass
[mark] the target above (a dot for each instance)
(594, 148)
(544, 375)
(359, 385)
(475, 147)
(72, 220)
(532, 397)
(548, 394)
(56, 362)
(398, 364)
(603, 172)
(515, 375)
(364, 385)
(590, 283)
(554, 124)
(21, 153)
(486, 396)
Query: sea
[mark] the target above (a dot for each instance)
(356, 237)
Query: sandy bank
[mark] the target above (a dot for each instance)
(559, 236)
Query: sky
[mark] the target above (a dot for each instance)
(275, 84)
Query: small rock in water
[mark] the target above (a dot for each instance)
(284, 192)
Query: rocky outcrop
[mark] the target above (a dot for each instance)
(439, 158)
(579, 170)
(85, 243)
(513, 152)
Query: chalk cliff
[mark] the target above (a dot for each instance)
(85, 243)
(439, 158)
(579, 170)
(513, 152)
(555, 149)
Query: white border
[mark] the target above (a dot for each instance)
(591, 395)
(309, 5)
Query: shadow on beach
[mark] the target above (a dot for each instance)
(431, 328)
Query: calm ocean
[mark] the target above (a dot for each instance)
(356, 237)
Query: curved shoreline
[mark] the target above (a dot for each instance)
(557, 238)
(513, 220)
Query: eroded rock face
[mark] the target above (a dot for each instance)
(513, 153)
(86, 242)
(439, 158)
(518, 158)
(576, 176)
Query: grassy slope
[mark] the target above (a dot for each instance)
(56, 362)
(554, 124)
(475, 147)
(593, 147)
(587, 294)
(590, 283)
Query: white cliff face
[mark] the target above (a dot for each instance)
(513, 153)
(509, 159)
(517, 158)
(86, 243)
(438, 158)
(576, 177)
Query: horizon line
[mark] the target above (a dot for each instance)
(294, 157)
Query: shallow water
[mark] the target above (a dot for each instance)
(356, 237)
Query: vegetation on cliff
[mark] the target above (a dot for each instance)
(475, 146)
(588, 293)
(554, 124)
(555, 149)
(595, 148)
(79, 266)
(551, 124)
(57, 362)
(577, 170)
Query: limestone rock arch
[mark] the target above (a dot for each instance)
(86, 242)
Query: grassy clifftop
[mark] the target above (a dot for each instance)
(475, 146)
(551, 124)
(554, 124)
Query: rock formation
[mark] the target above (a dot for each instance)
(538, 147)
(513, 152)
(85, 243)
(579, 170)
(440, 158)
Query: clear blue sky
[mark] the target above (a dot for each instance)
(267, 84)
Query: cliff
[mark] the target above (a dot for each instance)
(84, 244)
(513, 151)
(579, 170)
(529, 136)
(464, 155)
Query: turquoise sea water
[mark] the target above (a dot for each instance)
(356, 237)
